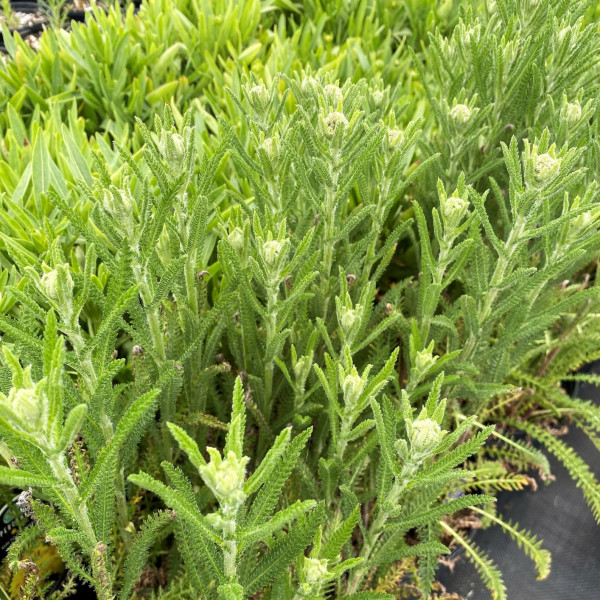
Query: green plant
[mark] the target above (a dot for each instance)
(385, 304)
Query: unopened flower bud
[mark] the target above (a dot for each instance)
(546, 166)
(348, 318)
(225, 477)
(302, 368)
(172, 149)
(236, 239)
(259, 94)
(454, 209)
(333, 95)
(27, 405)
(271, 147)
(424, 360)
(352, 387)
(58, 285)
(270, 251)
(582, 222)
(395, 137)
(461, 113)
(333, 121)
(315, 570)
(571, 112)
(426, 434)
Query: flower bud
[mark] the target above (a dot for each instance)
(225, 478)
(461, 113)
(270, 251)
(348, 317)
(571, 112)
(27, 404)
(236, 239)
(395, 137)
(454, 209)
(546, 166)
(425, 435)
(172, 149)
(271, 147)
(333, 95)
(352, 387)
(315, 570)
(581, 222)
(302, 368)
(424, 360)
(259, 94)
(334, 121)
(57, 285)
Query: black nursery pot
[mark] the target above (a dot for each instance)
(557, 514)
(28, 8)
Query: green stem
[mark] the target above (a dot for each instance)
(329, 244)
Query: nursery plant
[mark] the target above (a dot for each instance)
(285, 336)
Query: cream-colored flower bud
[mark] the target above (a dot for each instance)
(49, 284)
(352, 387)
(302, 368)
(546, 166)
(424, 360)
(58, 285)
(315, 570)
(225, 477)
(426, 434)
(461, 113)
(377, 96)
(333, 95)
(454, 209)
(27, 404)
(395, 137)
(236, 238)
(348, 317)
(571, 112)
(259, 94)
(333, 121)
(582, 222)
(172, 149)
(271, 147)
(270, 251)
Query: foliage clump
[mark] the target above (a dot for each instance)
(277, 338)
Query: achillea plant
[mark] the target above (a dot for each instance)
(271, 347)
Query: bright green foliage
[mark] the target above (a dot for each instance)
(281, 282)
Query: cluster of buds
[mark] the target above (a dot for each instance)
(26, 406)
(258, 95)
(236, 238)
(120, 204)
(424, 434)
(454, 208)
(333, 123)
(542, 165)
(270, 251)
(395, 137)
(425, 360)
(173, 148)
(272, 147)
(460, 113)
(225, 478)
(333, 96)
(57, 286)
(314, 574)
(352, 385)
(571, 111)
(349, 318)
